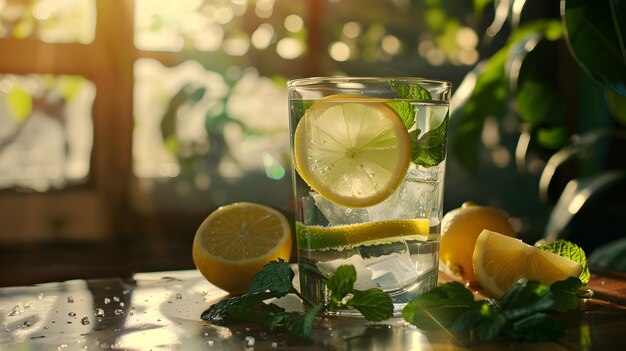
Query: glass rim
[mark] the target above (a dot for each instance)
(311, 81)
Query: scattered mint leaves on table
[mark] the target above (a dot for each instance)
(275, 281)
(520, 313)
(523, 313)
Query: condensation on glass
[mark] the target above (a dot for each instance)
(47, 130)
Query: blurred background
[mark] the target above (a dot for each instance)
(124, 123)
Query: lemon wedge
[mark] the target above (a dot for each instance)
(500, 260)
(354, 151)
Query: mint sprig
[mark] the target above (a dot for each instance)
(275, 281)
(523, 312)
(429, 149)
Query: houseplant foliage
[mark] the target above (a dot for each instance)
(560, 69)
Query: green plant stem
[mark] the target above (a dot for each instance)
(303, 298)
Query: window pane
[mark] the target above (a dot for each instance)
(53, 21)
(47, 131)
(204, 132)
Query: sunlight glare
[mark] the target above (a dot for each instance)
(289, 48)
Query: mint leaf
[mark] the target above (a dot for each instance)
(261, 313)
(221, 309)
(536, 327)
(299, 107)
(408, 91)
(411, 91)
(405, 110)
(275, 277)
(477, 313)
(439, 307)
(492, 327)
(571, 251)
(373, 304)
(524, 298)
(300, 324)
(341, 283)
(566, 294)
(429, 149)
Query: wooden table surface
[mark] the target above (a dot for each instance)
(161, 311)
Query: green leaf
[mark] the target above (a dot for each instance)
(570, 251)
(617, 106)
(261, 313)
(275, 277)
(374, 304)
(566, 294)
(524, 298)
(479, 6)
(552, 138)
(430, 149)
(299, 324)
(406, 112)
(479, 312)
(487, 99)
(341, 283)
(492, 327)
(439, 307)
(221, 309)
(490, 93)
(407, 91)
(596, 33)
(536, 327)
(538, 95)
(299, 107)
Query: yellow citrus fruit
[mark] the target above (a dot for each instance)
(499, 261)
(460, 229)
(354, 151)
(320, 238)
(235, 241)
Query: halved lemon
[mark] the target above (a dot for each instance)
(354, 151)
(321, 238)
(235, 241)
(500, 260)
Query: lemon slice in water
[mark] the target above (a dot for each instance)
(337, 237)
(353, 151)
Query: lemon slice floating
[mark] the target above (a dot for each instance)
(500, 260)
(321, 238)
(353, 151)
(235, 241)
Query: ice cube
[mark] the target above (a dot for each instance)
(340, 215)
(363, 275)
(414, 198)
(393, 271)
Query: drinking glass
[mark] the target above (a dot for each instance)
(368, 175)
